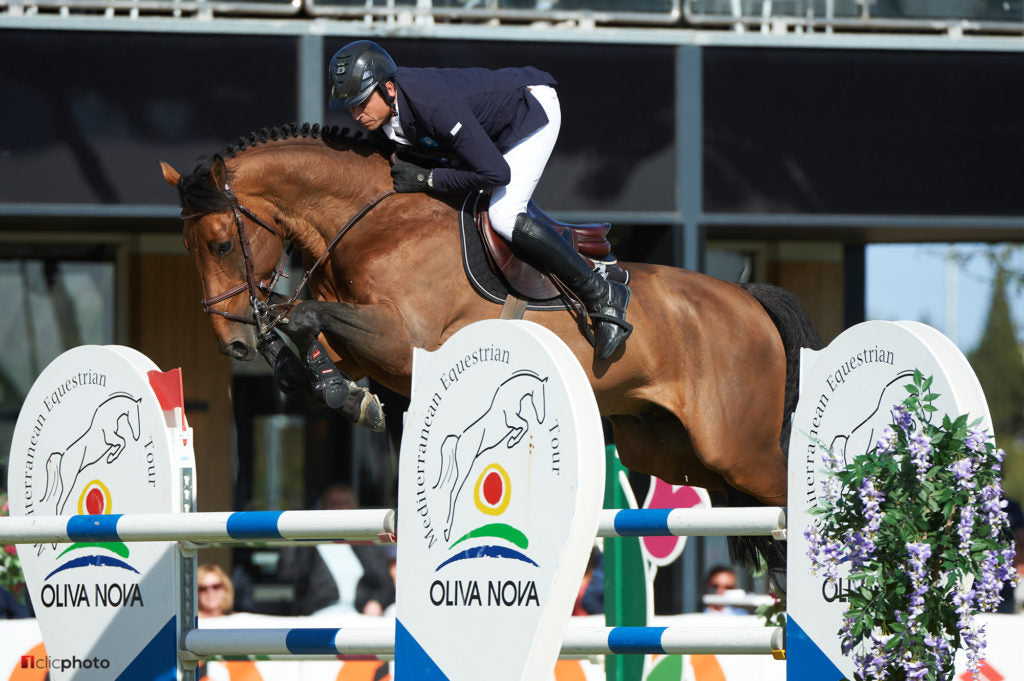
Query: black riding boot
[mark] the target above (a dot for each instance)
(605, 300)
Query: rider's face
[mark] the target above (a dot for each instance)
(374, 112)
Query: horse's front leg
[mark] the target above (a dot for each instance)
(372, 330)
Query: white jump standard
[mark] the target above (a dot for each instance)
(498, 508)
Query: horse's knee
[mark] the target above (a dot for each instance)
(303, 323)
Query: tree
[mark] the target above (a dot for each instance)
(999, 365)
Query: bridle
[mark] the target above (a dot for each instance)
(267, 315)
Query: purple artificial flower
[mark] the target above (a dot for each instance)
(976, 440)
(963, 472)
(916, 669)
(902, 418)
(887, 443)
(993, 505)
(965, 528)
(919, 552)
(920, 454)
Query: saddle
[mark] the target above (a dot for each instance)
(589, 240)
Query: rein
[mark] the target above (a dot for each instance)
(261, 307)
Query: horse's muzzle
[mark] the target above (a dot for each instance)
(238, 349)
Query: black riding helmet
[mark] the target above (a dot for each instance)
(357, 70)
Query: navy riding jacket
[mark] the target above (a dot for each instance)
(473, 114)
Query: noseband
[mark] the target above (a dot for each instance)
(267, 315)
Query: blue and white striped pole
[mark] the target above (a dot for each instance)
(354, 525)
(578, 641)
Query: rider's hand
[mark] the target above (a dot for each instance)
(410, 177)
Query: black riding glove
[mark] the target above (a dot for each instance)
(410, 177)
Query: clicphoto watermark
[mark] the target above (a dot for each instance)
(64, 663)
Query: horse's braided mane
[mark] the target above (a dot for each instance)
(196, 192)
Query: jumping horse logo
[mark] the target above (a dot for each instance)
(504, 421)
(104, 438)
(864, 436)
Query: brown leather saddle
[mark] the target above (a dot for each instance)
(590, 240)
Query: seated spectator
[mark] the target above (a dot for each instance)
(590, 599)
(721, 579)
(10, 608)
(216, 593)
(337, 578)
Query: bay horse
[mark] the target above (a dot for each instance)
(700, 394)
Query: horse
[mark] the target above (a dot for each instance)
(103, 438)
(502, 422)
(700, 394)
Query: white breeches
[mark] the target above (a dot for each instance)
(526, 160)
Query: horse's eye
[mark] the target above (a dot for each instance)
(222, 248)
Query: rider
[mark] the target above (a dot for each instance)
(502, 125)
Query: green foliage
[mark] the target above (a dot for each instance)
(919, 523)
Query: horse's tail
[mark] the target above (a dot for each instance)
(797, 332)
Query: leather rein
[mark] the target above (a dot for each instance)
(267, 315)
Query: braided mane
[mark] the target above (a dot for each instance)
(196, 192)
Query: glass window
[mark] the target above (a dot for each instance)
(862, 132)
(55, 302)
(279, 482)
(87, 115)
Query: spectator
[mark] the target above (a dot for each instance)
(721, 579)
(216, 593)
(590, 599)
(337, 578)
(10, 608)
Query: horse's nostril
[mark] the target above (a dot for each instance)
(237, 349)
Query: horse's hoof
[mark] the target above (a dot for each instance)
(364, 409)
(289, 374)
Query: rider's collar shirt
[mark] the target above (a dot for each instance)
(393, 129)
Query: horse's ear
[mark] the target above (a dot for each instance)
(171, 176)
(219, 172)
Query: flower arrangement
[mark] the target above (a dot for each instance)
(11, 576)
(919, 520)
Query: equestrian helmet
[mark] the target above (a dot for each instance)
(357, 70)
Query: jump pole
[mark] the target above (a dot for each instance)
(376, 525)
